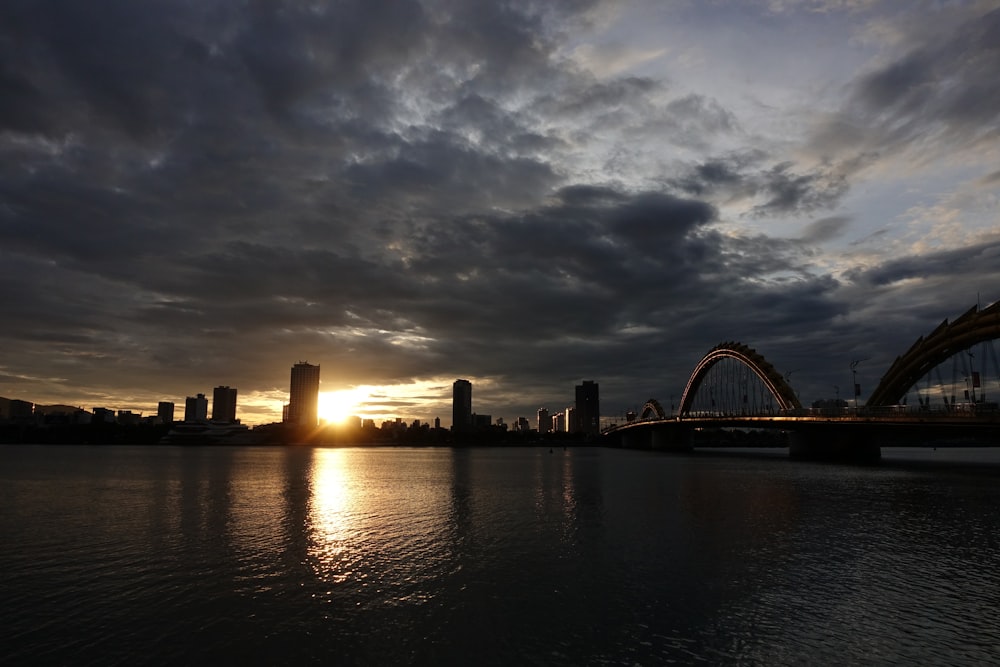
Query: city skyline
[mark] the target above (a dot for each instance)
(519, 194)
(327, 410)
(303, 386)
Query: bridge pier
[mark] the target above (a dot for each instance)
(672, 438)
(840, 445)
(667, 437)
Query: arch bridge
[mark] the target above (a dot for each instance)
(948, 339)
(746, 358)
(735, 386)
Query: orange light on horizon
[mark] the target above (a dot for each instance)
(337, 406)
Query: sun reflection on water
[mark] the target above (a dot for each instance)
(332, 517)
(381, 523)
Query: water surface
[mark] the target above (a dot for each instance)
(118, 555)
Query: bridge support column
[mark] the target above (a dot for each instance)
(672, 438)
(626, 440)
(833, 445)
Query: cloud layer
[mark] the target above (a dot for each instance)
(200, 193)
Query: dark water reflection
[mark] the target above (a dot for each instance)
(436, 556)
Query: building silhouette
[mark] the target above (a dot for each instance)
(588, 409)
(544, 421)
(165, 412)
(559, 422)
(224, 404)
(461, 406)
(303, 395)
(196, 408)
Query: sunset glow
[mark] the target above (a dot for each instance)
(337, 406)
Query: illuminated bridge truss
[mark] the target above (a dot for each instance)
(734, 380)
(955, 367)
(652, 410)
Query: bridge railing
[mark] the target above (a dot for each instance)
(979, 409)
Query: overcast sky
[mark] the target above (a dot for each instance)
(524, 194)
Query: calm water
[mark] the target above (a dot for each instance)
(491, 556)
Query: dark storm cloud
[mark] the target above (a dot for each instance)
(606, 278)
(442, 172)
(725, 174)
(789, 192)
(980, 262)
(938, 94)
(783, 188)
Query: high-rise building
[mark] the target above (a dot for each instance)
(559, 422)
(165, 412)
(224, 404)
(303, 395)
(588, 408)
(461, 406)
(196, 408)
(544, 421)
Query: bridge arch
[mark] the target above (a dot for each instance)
(652, 410)
(761, 367)
(972, 327)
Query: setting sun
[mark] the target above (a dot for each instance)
(336, 406)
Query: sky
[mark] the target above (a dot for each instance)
(522, 194)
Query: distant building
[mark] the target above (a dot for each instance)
(544, 421)
(461, 406)
(196, 408)
(20, 411)
(103, 416)
(588, 408)
(303, 395)
(481, 422)
(571, 420)
(165, 412)
(224, 404)
(129, 418)
(523, 425)
(559, 422)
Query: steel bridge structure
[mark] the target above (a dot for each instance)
(734, 387)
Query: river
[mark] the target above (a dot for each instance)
(494, 556)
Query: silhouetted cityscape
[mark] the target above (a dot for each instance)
(24, 421)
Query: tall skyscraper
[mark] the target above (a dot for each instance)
(224, 404)
(196, 408)
(588, 408)
(461, 406)
(303, 395)
(544, 421)
(559, 422)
